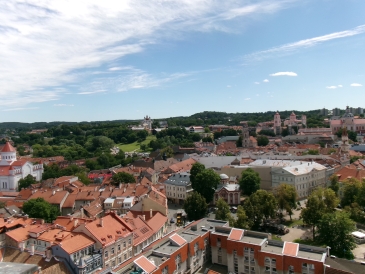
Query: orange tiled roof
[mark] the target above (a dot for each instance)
(76, 242)
(70, 223)
(111, 228)
(347, 172)
(53, 197)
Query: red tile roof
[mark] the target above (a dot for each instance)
(76, 243)
(145, 264)
(178, 239)
(290, 249)
(8, 148)
(111, 228)
(236, 234)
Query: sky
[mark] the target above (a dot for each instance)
(95, 60)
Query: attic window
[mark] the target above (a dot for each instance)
(110, 236)
(103, 239)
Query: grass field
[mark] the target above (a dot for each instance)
(136, 146)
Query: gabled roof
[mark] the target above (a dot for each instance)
(112, 228)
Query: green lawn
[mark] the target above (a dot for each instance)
(135, 145)
(293, 222)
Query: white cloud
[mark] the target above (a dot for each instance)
(306, 43)
(51, 43)
(247, 99)
(266, 81)
(331, 87)
(284, 73)
(92, 92)
(19, 109)
(356, 85)
(340, 86)
(62, 105)
(257, 83)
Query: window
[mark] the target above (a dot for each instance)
(119, 247)
(112, 250)
(129, 241)
(106, 253)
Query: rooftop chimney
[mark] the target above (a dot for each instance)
(101, 222)
(150, 213)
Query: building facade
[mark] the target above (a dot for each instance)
(12, 170)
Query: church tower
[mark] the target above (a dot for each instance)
(245, 135)
(277, 123)
(345, 147)
(8, 155)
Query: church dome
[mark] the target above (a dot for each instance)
(348, 115)
(223, 176)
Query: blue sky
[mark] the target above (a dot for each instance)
(107, 60)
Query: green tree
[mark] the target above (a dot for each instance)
(39, 208)
(321, 201)
(143, 147)
(351, 134)
(286, 197)
(239, 142)
(168, 151)
(26, 182)
(223, 213)
(206, 183)
(194, 171)
(242, 219)
(195, 206)
(260, 205)
(334, 230)
(83, 178)
(250, 181)
(335, 185)
(351, 189)
(262, 140)
(123, 177)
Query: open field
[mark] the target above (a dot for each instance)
(136, 146)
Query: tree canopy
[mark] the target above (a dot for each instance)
(39, 208)
(223, 213)
(334, 230)
(206, 183)
(262, 140)
(286, 197)
(260, 205)
(335, 186)
(26, 182)
(321, 201)
(123, 177)
(195, 206)
(250, 181)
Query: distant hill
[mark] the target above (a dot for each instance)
(201, 118)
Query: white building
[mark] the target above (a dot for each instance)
(304, 176)
(12, 170)
(178, 187)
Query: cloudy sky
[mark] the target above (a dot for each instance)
(90, 60)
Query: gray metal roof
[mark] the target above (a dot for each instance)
(179, 179)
